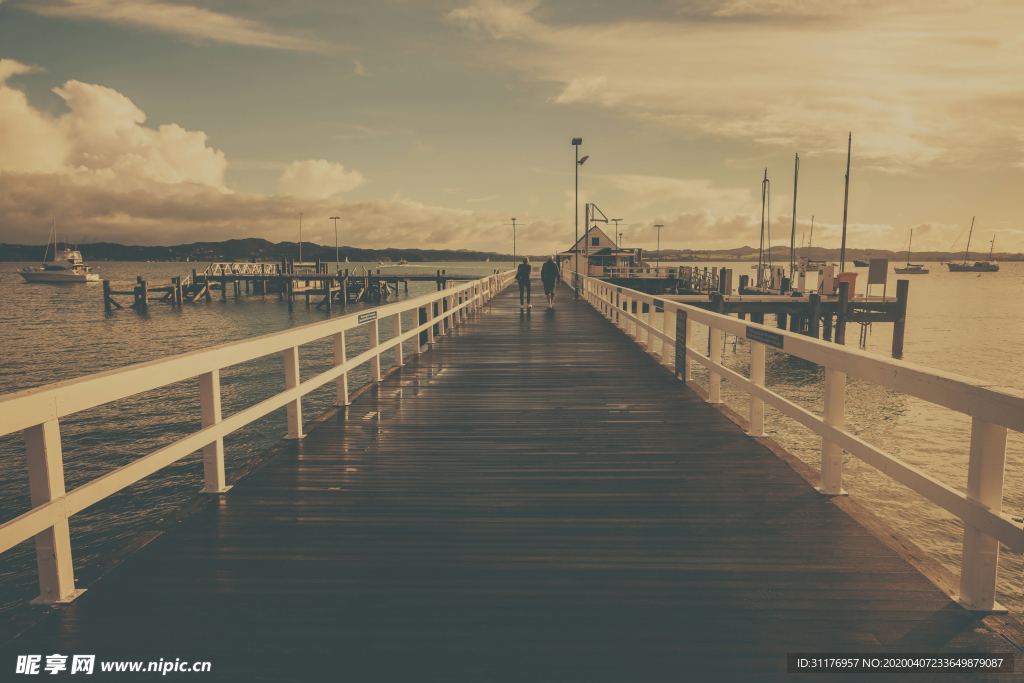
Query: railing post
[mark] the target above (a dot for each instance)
(341, 384)
(374, 330)
(291, 380)
(397, 325)
(667, 325)
(832, 454)
(430, 320)
(46, 483)
(714, 379)
(985, 485)
(757, 377)
(213, 452)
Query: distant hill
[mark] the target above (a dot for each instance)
(262, 250)
(247, 250)
(780, 254)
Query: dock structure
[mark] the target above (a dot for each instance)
(524, 495)
(287, 279)
(823, 315)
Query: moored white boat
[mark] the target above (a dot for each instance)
(66, 266)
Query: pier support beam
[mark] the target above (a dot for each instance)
(756, 416)
(46, 485)
(341, 384)
(900, 326)
(832, 454)
(844, 298)
(985, 473)
(291, 380)
(814, 315)
(213, 452)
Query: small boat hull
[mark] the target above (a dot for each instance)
(911, 271)
(39, 275)
(978, 267)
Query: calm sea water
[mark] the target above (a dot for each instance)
(957, 322)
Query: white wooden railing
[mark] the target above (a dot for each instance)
(993, 410)
(219, 269)
(37, 413)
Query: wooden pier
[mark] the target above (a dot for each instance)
(529, 495)
(808, 313)
(287, 279)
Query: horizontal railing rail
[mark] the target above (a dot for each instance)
(37, 412)
(992, 409)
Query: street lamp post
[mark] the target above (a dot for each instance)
(576, 142)
(513, 240)
(659, 227)
(300, 237)
(337, 263)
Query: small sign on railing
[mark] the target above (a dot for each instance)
(372, 315)
(765, 337)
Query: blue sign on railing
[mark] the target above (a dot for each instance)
(372, 315)
(765, 337)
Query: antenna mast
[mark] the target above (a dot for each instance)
(846, 201)
(792, 235)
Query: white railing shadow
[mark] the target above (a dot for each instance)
(37, 413)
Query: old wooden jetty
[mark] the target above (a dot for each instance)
(287, 279)
(522, 495)
(815, 314)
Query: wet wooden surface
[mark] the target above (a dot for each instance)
(534, 499)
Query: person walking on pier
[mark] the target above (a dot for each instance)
(523, 276)
(549, 276)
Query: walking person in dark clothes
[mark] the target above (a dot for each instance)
(523, 276)
(549, 275)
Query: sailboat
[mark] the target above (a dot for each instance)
(912, 268)
(67, 265)
(979, 266)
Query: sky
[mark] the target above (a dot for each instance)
(432, 123)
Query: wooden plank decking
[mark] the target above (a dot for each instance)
(534, 499)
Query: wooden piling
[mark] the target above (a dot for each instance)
(106, 295)
(841, 313)
(826, 333)
(900, 326)
(206, 288)
(814, 315)
(144, 290)
(780, 320)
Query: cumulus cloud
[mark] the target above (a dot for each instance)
(317, 178)
(195, 23)
(917, 87)
(101, 139)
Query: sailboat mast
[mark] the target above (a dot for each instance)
(760, 253)
(991, 247)
(846, 202)
(968, 249)
(792, 234)
(811, 240)
(910, 245)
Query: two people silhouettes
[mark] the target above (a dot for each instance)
(549, 275)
